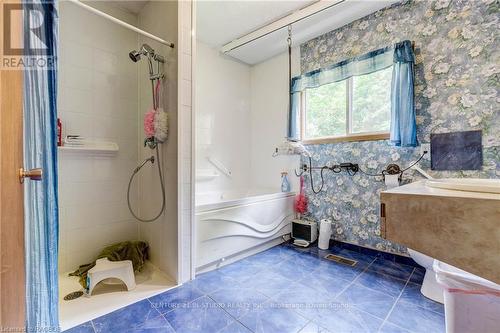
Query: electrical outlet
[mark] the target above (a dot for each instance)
(426, 147)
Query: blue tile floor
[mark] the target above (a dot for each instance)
(287, 289)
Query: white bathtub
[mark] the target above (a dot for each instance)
(231, 226)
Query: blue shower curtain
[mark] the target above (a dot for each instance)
(40, 151)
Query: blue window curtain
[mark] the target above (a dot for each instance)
(400, 56)
(40, 151)
(403, 119)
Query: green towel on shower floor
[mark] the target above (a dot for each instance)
(136, 251)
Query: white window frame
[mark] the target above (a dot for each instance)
(363, 136)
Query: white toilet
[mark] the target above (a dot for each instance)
(430, 287)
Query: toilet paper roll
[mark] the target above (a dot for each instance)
(325, 232)
(325, 226)
(391, 180)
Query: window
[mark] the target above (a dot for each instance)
(358, 106)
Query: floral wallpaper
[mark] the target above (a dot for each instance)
(456, 88)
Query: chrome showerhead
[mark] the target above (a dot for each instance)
(149, 52)
(134, 56)
(146, 50)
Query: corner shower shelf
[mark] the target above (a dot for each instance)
(95, 147)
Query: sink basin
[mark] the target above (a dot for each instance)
(466, 184)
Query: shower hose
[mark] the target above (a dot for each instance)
(152, 160)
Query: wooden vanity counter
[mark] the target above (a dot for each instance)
(457, 227)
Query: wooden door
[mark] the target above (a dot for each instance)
(12, 275)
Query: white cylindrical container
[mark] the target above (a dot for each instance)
(471, 303)
(325, 232)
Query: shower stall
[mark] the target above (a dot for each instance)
(117, 183)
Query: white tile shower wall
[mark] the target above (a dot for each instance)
(222, 119)
(160, 18)
(269, 103)
(97, 99)
(186, 148)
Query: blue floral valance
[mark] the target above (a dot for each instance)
(400, 56)
(365, 64)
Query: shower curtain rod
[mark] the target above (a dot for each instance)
(122, 23)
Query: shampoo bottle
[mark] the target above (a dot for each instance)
(285, 184)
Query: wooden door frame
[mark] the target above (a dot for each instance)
(12, 261)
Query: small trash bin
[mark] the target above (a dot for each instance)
(325, 232)
(471, 303)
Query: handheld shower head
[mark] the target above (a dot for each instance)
(146, 49)
(151, 56)
(159, 58)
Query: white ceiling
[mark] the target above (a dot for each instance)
(219, 22)
(131, 6)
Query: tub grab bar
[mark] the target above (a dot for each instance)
(221, 167)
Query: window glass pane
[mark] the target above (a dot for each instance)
(326, 110)
(371, 102)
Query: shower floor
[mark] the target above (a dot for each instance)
(107, 298)
(287, 290)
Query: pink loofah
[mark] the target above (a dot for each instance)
(149, 123)
(300, 204)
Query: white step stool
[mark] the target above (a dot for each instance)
(105, 269)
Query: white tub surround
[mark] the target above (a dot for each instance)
(231, 229)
